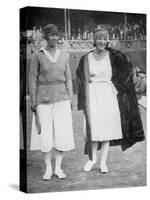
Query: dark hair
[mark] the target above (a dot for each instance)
(49, 28)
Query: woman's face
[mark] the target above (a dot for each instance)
(52, 39)
(101, 42)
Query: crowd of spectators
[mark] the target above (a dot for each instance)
(133, 31)
(139, 82)
(32, 36)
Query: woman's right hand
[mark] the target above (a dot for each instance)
(33, 107)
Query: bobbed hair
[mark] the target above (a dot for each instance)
(99, 31)
(49, 28)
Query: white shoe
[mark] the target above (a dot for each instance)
(103, 168)
(47, 175)
(60, 174)
(89, 165)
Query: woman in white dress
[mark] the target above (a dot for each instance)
(104, 110)
(105, 82)
(51, 93)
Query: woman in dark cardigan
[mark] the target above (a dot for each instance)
(118, 85)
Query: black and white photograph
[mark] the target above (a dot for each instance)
(83, 99)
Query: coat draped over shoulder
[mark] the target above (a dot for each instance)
(122, 78)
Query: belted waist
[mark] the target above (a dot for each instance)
(50, 82)
(106, 81)
(100, 81)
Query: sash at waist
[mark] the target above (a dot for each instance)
(100, 81)
(104, 81)
(50, 82)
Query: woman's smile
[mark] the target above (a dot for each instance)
(101, 44)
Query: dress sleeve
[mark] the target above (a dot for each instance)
(33, 75)
(68, 78)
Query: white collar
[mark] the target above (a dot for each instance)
(49, 56)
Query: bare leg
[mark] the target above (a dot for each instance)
(105, 149)
(91, 163)
(48, 172)
(58, 158)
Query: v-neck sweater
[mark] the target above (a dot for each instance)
(49, 82)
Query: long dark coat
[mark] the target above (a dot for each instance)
(122, 78)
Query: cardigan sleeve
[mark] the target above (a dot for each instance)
(68, 78)
(33, 75)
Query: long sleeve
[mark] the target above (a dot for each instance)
(33, 74)
(68, 79)
(124, 71)
(132, 128)
(80, 79)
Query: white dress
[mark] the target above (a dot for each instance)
(104, 109)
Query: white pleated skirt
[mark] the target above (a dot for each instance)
(104, 112)
(56, 128)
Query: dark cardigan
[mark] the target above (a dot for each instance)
(122, 78)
